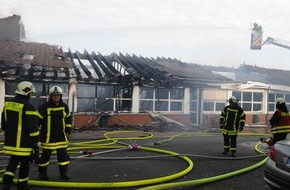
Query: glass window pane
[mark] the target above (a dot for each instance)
(176, 106)
(219, 106)
(271, 97)
(146, 93)
(161, 94)
(258, 96)
(247, 96)
(257, 107)
(161, 106)
(193, 94)
(193, 118)
(193, 106)
(279, 96)
(208, 106)
(146, 105)
(86, 105)
(287, 98)
(105, 91)
(237, 95)
(271, 107)
(105, 105)
(86, 91)
(247, 106)
(176, 94)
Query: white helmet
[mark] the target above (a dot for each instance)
(233, 99)
(24, 88)
(280, 101)
(55, 90)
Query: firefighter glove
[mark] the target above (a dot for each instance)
(241, 128)
(221, 126)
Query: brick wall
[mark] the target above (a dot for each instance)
(123, 119)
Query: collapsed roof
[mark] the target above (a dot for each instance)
(39, 62)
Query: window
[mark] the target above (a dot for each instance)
(86, 98)
(249, 101)
(213, 106)
(272, 100)
(161, 99)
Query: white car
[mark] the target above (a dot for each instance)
(277, 167)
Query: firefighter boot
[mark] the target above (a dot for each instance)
(7, 181)
(63, 172)
(6, 186)
(225, 151)
(42, 173)
(23, 186)
(233, 153)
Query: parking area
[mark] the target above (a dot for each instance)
(174, 160)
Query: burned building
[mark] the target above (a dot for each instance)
(123, 89)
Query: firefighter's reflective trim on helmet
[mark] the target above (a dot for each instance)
(55, 90)
(24, 88)
(63, 163)
(53, 146)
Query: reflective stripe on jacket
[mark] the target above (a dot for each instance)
(283, 124)
(232, 117)
(56, 123)
(19, 123)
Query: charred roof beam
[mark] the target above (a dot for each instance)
(84, 68)
(151, 70)
(107, 63)
(102, 65)
(96, 68)
(141, 70)
(76, 69)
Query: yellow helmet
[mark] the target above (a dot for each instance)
(233, 99)
(55, 90)
(24, 88)
(280, 101)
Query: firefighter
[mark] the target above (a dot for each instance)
(280, 121)
(19, 124)
(55, 129)
(232, 121)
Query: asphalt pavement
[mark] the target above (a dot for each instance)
(181, 160)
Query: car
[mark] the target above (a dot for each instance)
(277, 167)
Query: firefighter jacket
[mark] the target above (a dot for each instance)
(231, 118)
(55, 125)
(19, 124)
(280, 122)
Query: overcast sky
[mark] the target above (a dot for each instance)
(207, 32)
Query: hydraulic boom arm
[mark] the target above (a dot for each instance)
(277, 42)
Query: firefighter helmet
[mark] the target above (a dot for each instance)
(24, 88)
(55, 90)
(280, 101)
(233, 99)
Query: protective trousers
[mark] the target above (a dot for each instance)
(62, 158)
(230, 143)
(23, 171)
